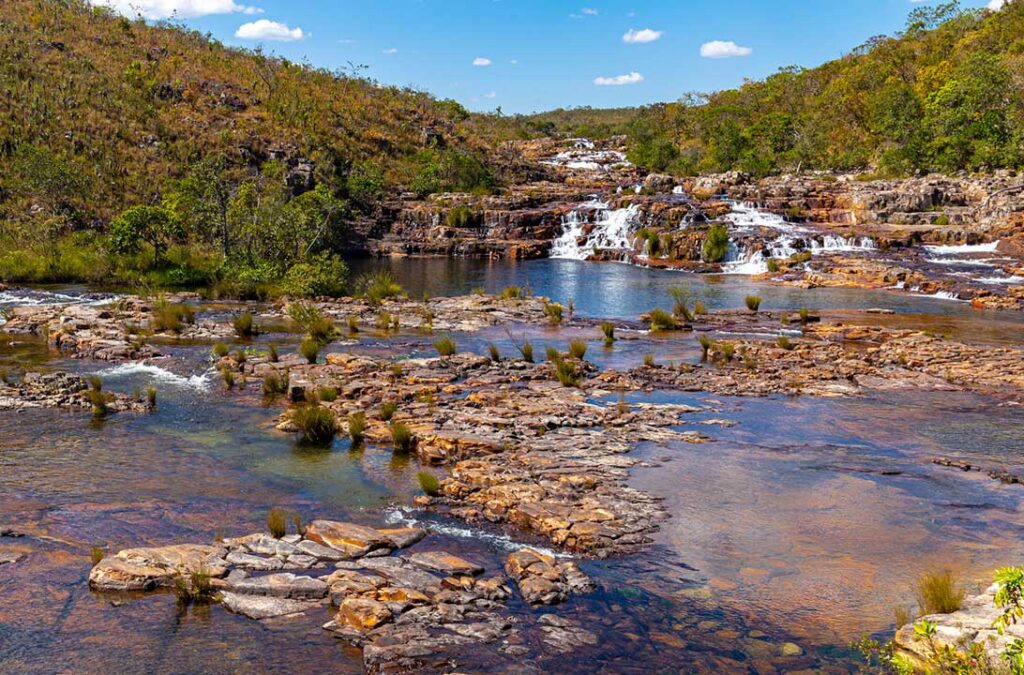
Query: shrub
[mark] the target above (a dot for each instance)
(577, 348)
(277, 522)
(445, 346)
(319, 275)
(784, 342)
(662, 320)
(716, 245)
(401, 438)
(310, 350)
(649, 360)
(310, 319)
(356, 426)
(753, 302)
(428, 483)
(245, 325)
(608, 330)
(511, 292)
(567, 374)
(492, 350)
(388, 410)
(681, 296)
(220, 350)
(554, 312)
(327, 394)
(526, 349)
(378, 285)
(315, 422)
(938, 592)
(274, 384)
(272, 355)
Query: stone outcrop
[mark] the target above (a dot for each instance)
(545, 580)
(61, 390)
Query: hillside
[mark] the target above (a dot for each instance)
(946, 94)
(99, 114)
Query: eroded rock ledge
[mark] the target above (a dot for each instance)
(407, 610)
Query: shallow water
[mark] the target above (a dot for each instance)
(806, 521)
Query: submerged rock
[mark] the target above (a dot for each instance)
(140, 569)
(266, 607)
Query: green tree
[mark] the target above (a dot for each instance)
(144, 224)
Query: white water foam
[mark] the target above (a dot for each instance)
(610, 230)
(195, 382)
(1014, 279)
(962, 248)
(400, 516)
(13, 297)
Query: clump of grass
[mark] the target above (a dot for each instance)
(511, 292)
(388, 410)
(608, 330)
(228, 376)
(681, 296)
(727, 350)
(378, 285)
(240, 356)
(699, 309)
(244, 325)
(662, 320)
(749, 360)
(97, 398)
(277, 522)
(649, 360)
(274, 384)
(552, 354)
(753, 303)
(567, 374)
(706, 344)
(356, 426)
(428, 483)
(577, 348)
(316, 423)
(308, 317)
(310, 350)
(554, 312)
(168, 317)
(397, 370)
(805, 314)
(773, 265)
(938, 592)
(220, 350)
(196, 589)
(96, 554)
(95, 383)
(384, 321)
(401, 437)
(526, 350)
(492, 351)
(784, 342)
(151, 397)
(445, 346)
(327, 394)
(272, 355)
(478, 290)
(353, 324)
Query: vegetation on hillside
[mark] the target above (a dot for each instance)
(154, 154)
(945, 94)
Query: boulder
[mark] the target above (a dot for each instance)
(284, 585)
(363, 614)
(265, 607)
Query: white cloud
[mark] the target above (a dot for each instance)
(619, 80)
(723, 49)
(639, 37)
(390, 50)
(589, 11)
(183, 9)
(481, 61)
(269, 30)
(996, 5)
(514, 62)
(491, 94)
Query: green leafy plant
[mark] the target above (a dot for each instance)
(716, 245)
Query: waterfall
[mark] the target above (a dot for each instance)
(610, 230)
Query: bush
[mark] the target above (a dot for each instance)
(554, 312)
(378, 285)
(274, 384)
(938, 593)
(716, 245)
(388, 410)
(577, 348)
(245, 325)
(356, 426)
(445, 346)
(753, 302)
(277, 522)
(659, 319)
(608, 329)
(319, 275)
(315, 422)
(492, 350)
(401, 438)
(428, 483)
(310, 350)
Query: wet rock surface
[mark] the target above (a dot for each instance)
(62, 390)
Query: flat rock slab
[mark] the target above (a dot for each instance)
(285, 585)
(263, 607)
(446, 563)
(137, 569)
(7, 558)
(353, 540)
(254, 562)
(404, 537)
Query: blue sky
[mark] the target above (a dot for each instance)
(534, 55)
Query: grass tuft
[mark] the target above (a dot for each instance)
(388, 410)
(492, 351)
(554, 312)
(220, 350)
(277, 522)
(662, 320)
(938, 592)
(310, 350)
(274, 384)
(577, 348)
(608, 330)
(401, 438)
(244, 325)
(753, 303)
(429, 483)
(316, 423)
(445, 346)
(356, 426)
